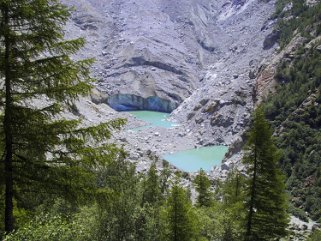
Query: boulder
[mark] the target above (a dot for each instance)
(199, 120)
(221, 120)
(212, 107)
(204, 101)
(252, 74)
(190, 115)
(316, 226)
(197, 107)
(271, 40)
(239, 101)
(225, 167)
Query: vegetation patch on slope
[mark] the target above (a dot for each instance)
(295, 110)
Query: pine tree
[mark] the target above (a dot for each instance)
(233, 188)
(118, 201)
(267, 216)
(42, 151)
(181, 225)
(151, 186)
(164, 178)
(232, 196)
(203, 185)
(149, 225)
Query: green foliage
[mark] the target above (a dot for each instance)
(299, 213)
(151, 224)
(54, 226)
(315, 236)
(230, 210)
(118, 200)
(164, 178)
(300, 18)
(232, 189)
(203, 185)
(117, 214)
(46, 229)
(120, 213)
(103, 196)
(295, 113)
(180, 216)
(151, 187)
(295, 110)
(267, 202)
(45, 155)
(1, 210)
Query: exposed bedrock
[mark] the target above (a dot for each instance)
(128, 102)
(203, 57)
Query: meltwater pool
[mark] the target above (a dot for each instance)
(188, 160)
(153, 118)
(195, 159)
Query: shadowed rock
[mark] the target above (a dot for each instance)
(127, 102)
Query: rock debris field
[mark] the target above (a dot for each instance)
(198, 58)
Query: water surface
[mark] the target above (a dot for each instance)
(189, 160)
(153, 118)
(195, 159)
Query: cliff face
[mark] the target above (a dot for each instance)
(199, 56)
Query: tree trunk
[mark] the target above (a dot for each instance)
(237, 186)
(7, 124)
(253, 193)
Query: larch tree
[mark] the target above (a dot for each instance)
(267, 217)
(118, 201)
(41, 151)
(232, 206)
(151, 187)
(202, 186)
(181, 223)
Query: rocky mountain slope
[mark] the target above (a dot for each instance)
(208, 63)
(294, 109)
(198, 58)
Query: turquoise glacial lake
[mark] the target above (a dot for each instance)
(189, 160)
(195, 159)
(154, 118)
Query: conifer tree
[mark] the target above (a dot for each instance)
(203, 185)
(151, 186)
(181, 224)
(118, 201)
(42, 151)
(149, 225)
(164, 178)
(232, 196)
(267, 216)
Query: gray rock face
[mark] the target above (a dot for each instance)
(147, 47)
(271, 40)
(200, 56)
(229, 80)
